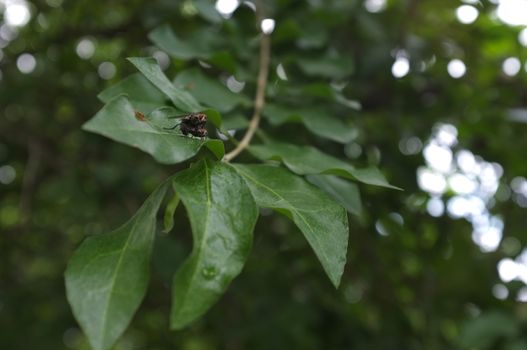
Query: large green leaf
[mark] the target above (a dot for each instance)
(487, 329)
(330, 67)
(150, 69)
(144, 96)
(107, 277)
(316, 91)
(344, 192)
(117, 121)
(323, 222)
(198, 45)
(209, 91)
(222, 214)
(207, 10)
(315, 120)
(307, 160)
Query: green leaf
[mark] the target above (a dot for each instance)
(150, 69)
(117, 121)
(316, 91)
(344, 192)
(210, 92)
(223, 60)
(323, 222)
(315, 120)
(144, 96)
(222, 214)
(208, 11)
(329, 67)
(235, 121)
(108, 275)
(485, 330)
(205, 44)
(198, 45)
(168, 218)
(307, 160)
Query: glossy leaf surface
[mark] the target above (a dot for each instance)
(222, 214)
(144, 96)
(150, 69)
(117, 121)
(197, 45)
(344, 192)
(107, 277)
(307, 160)
(323, 222)
(315, 120)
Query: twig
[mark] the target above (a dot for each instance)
(259, 100)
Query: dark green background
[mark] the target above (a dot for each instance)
(424, 285)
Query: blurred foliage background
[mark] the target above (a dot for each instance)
(435, 92)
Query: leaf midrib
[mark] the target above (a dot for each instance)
(114, 277)
(205, 232)
(291, 207)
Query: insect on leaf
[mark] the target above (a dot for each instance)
(117, 121)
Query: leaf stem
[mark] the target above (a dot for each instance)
(259, 100)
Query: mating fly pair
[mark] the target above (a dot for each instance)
(193, 124)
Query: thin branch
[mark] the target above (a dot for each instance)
(259, 100)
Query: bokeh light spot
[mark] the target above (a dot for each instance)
(435, 207)
(374, 6)
(280, 71)
(456, 68)
(511, 66)
(162, 59)
(500, 291)
(16, 13)
(106, 70)
(26, 63)
(235, 85)
(226, 7)
(85, 48)
(522, 37)
(7, 174)
(267, 25)
(400, 67)
(410, 146)
(466, 14)
(431, 181)
(513, 12)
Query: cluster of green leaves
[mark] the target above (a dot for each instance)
(405, 282)
(107, 277)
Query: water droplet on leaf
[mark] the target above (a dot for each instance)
(209, 272)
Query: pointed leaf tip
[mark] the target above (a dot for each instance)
(107, 277)
(222, 214)
(323, 222)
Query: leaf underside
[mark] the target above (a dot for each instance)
(307, 160)
(344, 192)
